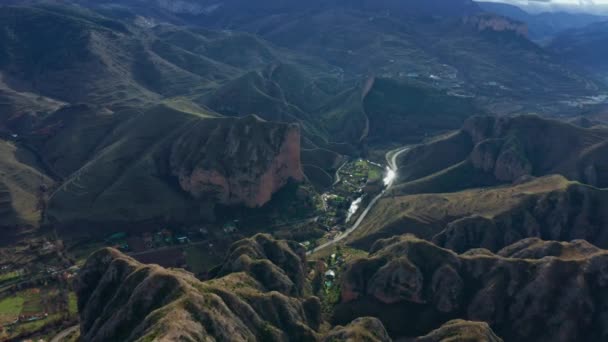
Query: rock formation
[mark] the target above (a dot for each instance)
(459, 330)
(500, 150)
(411, 285)
(576, 212)
(513, 147)
(364, 329)
(493, 22)
(242, 163)
(164, 163)
(120, 299)
(276, 264)
(550, 208)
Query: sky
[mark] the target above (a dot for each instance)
(589, 6)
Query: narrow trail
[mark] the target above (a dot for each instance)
(65, 333)
(391, 158)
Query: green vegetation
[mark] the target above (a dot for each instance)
(406, 112)
(11, 306)
(9, 276)
(331, 297)
(374, 174)
(32, 304)
(72, 303)
(201, 259)
(38, 324)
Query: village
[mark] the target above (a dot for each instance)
(36, 290)
(37, 297)
(356, 183)
(196, 247)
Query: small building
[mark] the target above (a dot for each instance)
(229, 228)
(330, 275)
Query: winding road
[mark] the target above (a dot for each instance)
(65, 333)
(391, 159)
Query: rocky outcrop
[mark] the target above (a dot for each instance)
(553, 298)
(364, 329)
(277, 264)
(460, 330)
(530, 145)
(575, 212)
(549, 208)
(500, 150)
(534, 248)
(504, 159)
(163, 165)
(120, 299)
(496, 23)
(245, 162)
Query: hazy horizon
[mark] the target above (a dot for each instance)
(585, 6)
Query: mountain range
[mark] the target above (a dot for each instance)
(142, 70)
(142, 116)
(544, 26)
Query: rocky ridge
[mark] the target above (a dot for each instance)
(120, 299)
(554, 297)
(163, 162)
(251, 297)
(234, 164)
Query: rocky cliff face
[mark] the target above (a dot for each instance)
(460, 330)
(500, 150)
(555, 297)
(251, 298)
(365, 329)
(277, 264)
(496, 23)
(514, 147)
(241, 163)
(550, 208)
(120, 299)
(166, 164)
(563, 215)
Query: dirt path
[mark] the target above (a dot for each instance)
(65, 333)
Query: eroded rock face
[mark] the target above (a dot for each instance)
(535, 248)
(120, 299)
(242, 163)
(460, 330)
(505, 160)
(512, 147)
(275, 263)
(396, 281)
(486, 21)
(364, 329)
(574, 213)
(556, 297)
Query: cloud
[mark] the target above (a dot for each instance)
(589, 6)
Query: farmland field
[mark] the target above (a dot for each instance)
(10, 308)
(32, 304)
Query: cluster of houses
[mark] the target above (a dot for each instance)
(334, 263)
(165, 237)
(148, 240)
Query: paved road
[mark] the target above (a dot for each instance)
(391, 158)
(62, 335)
